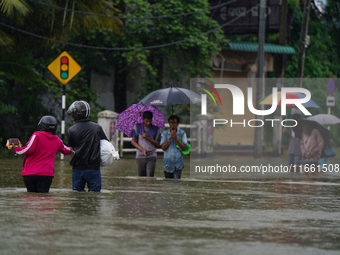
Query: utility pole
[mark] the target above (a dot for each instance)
(260, 78)
(63, 106)
(304, 42)
(277, 129)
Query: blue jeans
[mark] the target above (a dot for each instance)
(93, 179)
(323, 163)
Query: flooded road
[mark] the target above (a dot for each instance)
(156, 216)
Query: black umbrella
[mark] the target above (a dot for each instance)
(171, 96)
(325, 133)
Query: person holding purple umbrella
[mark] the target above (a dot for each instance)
(146, 138)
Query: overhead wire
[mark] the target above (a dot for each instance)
(131, 17)
(127, 49)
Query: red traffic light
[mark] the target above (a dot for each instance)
(64, 60)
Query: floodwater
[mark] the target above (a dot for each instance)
(156, 216)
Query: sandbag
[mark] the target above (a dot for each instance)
(107, 153)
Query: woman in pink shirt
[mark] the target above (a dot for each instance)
(40, 150)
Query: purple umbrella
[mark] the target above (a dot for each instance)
(127, 119)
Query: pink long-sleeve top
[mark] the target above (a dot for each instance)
(312, 144)
(40, 153)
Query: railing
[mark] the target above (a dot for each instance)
(121, 139)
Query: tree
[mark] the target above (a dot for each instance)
(153, 66)
(159, 66)
(322, 55)
(23, 55)
(331, 19)
(54, 22)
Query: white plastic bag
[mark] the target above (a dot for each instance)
(107, 153)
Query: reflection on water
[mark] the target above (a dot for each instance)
(135, 215)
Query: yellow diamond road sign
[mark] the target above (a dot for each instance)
(64, 68)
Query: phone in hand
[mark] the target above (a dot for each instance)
(12, 141)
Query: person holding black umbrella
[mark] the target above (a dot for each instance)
(173, 157)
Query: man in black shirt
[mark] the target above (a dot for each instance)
(84, 137)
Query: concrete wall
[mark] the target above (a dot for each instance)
(240, 69)
(134, 83)
(181, 80)
(237, 134)
(103, 86)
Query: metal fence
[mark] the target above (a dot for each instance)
(121, 139)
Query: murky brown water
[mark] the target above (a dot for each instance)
(155, 216)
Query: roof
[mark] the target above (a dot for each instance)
(268, 47)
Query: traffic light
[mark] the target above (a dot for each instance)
(64, 67)
(64, 64)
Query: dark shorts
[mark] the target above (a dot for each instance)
(146, 166)
(175, 175)
(38, 183)
(93, 179)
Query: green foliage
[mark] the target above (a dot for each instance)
(322, 58)
(4, 109)
(160, 67)
(332, 22)
(53, 23)
(174, 63)
(25, 80)
(24, 91)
